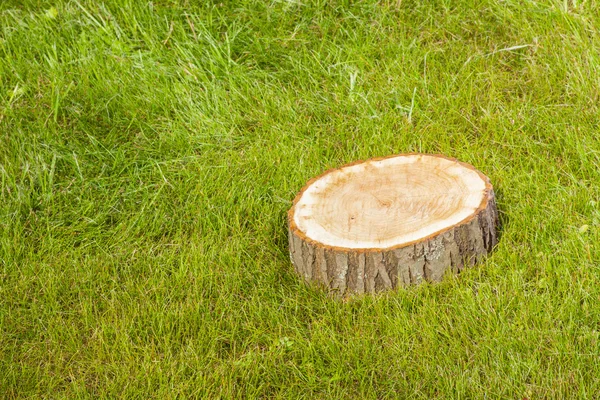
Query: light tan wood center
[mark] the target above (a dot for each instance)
(388, 202)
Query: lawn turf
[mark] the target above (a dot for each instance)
(149, 151)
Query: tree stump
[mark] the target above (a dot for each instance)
(389, 222)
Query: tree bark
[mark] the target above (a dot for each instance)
(377, 194)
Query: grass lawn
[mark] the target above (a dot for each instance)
(149, 152)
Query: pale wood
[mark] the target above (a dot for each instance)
(393, 221)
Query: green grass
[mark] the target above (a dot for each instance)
(149, 152)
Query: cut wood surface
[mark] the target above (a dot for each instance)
(393, 221)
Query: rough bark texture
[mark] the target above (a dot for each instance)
(348, 271)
